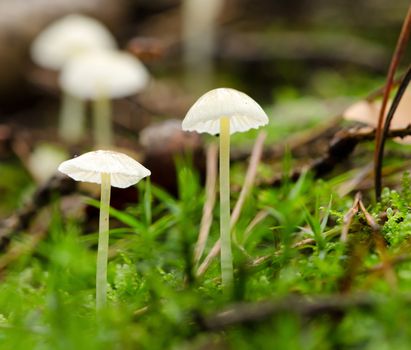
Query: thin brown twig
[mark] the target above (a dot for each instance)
(303, 138)
(250, 176)
(44, 195)
(208, 259)
(17, 249)
(261, 215)
(393, 261)
(340, 147)
(380, 147)
(303, 306)
(304, 243)
(301, 244)
(26, 241)
(348, 218)
(380, 91)
(402, 40)
(354, 181)
(369, 218)
(380, 244)
(210, 191)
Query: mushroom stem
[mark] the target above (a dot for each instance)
(103, 237)
(226, 255)
(72, 118)
(102, 124)
(199, 41)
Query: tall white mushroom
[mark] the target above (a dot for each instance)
(58, 43)
(101, 76)
(107, 168)
(224, 111)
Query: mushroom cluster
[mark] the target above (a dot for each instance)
(85, 53)
(221, 111)
(91, 68)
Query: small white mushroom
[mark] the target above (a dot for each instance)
(224, 111)
(43, 161)
(242, 111)
(58, 43)
(67, 37)
(100, 76)
(107, 168)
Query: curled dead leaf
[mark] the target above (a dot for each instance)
(367, 112)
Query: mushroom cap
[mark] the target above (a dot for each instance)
(244, 113)
(124, 170)
(68, 37)
(104, 73)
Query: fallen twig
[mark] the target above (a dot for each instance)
(261, 215)
(249, 177)
(58, 184)
(355, 180)
(379, 136)
(381, 246)
(379, 147)
(348, 218)
(304, 306)
(340, 147)
(392, 260)
(210, 190)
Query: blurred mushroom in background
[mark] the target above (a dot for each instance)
(165, 141)
(21, 21)
(61, 42)
(199, 36)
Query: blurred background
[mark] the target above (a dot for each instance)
(260, 46)
(303, 60)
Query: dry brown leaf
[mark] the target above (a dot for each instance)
(367, 112)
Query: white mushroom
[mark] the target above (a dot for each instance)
(242, 111)
(224, 111)
(58, 43)
(43, 161)
(67, 37)
(199, 32)
(107, 168)
(100, 76)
